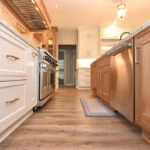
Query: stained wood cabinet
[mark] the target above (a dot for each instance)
(93, 79)
(142, 78)
(99, 82)
(100, 78)
(105, 83)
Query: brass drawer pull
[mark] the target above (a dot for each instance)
(11, 56)
(34, 54)
(13, 100)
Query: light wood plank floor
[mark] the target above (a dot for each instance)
(62, 125)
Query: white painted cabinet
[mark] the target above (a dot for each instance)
(88, 43)
(12, 103)
(84, 80)
(88, 49)
(32, 78)
(12, 56)
(18, 77)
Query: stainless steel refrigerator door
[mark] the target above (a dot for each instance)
(121, 87)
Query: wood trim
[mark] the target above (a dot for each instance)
(143, 33)
(54, 28)
(40, 4)
(146, 136)
(145, 122)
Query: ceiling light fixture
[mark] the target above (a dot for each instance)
(121, 13)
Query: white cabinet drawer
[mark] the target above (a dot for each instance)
(84, 84)
(13, 57)
(84, 78)
(12, 103)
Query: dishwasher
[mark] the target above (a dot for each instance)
(122, 80)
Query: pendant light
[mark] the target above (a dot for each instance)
(121, 10)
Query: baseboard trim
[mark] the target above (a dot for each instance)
(9, 130)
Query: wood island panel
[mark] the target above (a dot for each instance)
(100, 78)
(142, 62)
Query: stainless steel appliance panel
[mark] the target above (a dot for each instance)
(121, 87)
(45, 81)
(47, 72)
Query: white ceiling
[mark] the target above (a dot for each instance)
(74, 13)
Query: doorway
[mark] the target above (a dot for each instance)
(67, 65)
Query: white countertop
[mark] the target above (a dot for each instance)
(115, 48)
(14, 31)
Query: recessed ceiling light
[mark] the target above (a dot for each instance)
(33, 1)
(37, 8)
(56, 6)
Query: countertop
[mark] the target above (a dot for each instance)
(14, 31)
(115, 48)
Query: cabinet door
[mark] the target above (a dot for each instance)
(13, 56)
(12, 104)
(142, 61)
(105, 83)
(99, 82)
(88, 43)
(93, 76)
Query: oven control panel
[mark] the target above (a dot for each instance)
(46, 56)
(50, 60)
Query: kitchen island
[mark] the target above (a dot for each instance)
(121, 78)
(18, 78)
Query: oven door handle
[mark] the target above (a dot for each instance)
(49, 68)
(45, 66)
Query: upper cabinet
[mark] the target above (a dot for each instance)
(88, 43)
(48, 40)
(31, 12)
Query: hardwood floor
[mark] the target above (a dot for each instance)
(62, 125)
